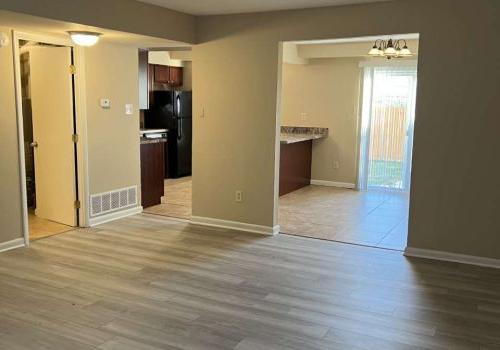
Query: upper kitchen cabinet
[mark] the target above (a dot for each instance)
(161, 74)
(168, 75)
(175, 74)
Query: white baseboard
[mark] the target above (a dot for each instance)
(453, 257)
(13, 244)
(235, 225)
(114, 216)
(333, 184)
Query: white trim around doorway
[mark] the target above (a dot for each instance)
(81, 121)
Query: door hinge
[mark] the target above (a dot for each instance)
(74, 137)
(77, 204)
(72, 69)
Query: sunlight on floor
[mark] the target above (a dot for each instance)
(372, 218)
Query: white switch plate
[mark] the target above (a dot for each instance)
(105, 103)
(4, 40)
(303, 116)
(129, 109)
(336, 164)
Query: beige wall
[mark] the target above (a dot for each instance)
(187, 77)
(328, 91)
(456, 128)
(123, 15)
(10, 198)
(111, 71)
(234, 88)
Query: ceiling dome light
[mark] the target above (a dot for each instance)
(83, 38)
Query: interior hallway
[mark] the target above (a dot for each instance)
(371, 218)
(177, 199)
(149, 282)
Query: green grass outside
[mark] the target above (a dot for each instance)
(385, 173)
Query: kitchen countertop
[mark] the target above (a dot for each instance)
(151, 131)
(145, 141)
(293, 134)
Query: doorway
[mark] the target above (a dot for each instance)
(355, 113)
(169, 111)
(48, 115)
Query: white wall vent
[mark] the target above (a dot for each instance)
(106, 202)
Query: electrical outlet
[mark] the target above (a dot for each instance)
(336, 164)
(239, 196)
(303, 116)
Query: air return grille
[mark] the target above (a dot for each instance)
(107, 202)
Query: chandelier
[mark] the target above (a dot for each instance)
(390, 49)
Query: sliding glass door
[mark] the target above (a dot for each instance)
(388, 114)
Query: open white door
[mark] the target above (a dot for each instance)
(52, 109)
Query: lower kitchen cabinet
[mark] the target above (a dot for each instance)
(295, 166)
(152, 172)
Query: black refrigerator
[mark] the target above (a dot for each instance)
(172, 110)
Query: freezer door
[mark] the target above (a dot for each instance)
(161, 113)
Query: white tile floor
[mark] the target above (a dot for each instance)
(370, 218)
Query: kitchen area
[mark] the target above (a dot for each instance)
(296, 148)
(165, 98)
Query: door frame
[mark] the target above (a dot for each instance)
(80, 117)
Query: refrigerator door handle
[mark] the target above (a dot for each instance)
(179, 128)
(178, 102)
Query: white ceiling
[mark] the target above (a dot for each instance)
(216, 7)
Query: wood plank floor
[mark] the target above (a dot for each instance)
(148, 282)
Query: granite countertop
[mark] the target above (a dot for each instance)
(293, 134)
(145, 141)
(151, 131)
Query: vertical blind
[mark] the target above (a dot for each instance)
(388, 114)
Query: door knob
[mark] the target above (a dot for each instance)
(34, 144)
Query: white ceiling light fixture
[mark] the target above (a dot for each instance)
(84, 38)
(390, 49)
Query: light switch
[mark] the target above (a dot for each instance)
(129, 109)
(105, 103)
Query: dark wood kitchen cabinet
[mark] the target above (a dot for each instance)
(171, 76)
(152, 173)
(162, 74)
(295, 166)
(175, 74)
(151, 74)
